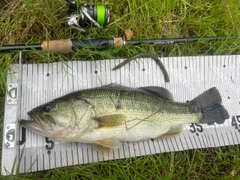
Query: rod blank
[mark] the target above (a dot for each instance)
(68, 45)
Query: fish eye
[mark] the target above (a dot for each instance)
(47, 108)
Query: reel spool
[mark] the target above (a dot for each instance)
(87, 15)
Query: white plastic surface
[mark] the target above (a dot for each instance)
(189, 77)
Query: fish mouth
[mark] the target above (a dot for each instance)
(32, 125)
(38, 123)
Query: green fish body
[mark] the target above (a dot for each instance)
(110, 114)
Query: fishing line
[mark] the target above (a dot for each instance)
(96, 72)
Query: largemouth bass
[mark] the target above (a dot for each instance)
(110, 114)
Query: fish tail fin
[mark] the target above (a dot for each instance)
(210, 104)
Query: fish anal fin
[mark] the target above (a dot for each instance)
(110, 120)
(104, 151)
(108, 143)
(158, 91)
(174, 130)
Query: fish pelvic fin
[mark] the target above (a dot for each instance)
(210, 106)
(108, 143)
(113, 120)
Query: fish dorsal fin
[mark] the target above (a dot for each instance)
(158, 91)
(109, 142)
(113, 120)
(116, 86)
(154, 90)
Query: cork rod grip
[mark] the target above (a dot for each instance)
(57, 46)
(118, 42)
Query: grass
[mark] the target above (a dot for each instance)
(29, 21)
(193, 164)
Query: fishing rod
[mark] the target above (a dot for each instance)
(69, 45)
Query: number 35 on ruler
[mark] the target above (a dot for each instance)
(196, 128)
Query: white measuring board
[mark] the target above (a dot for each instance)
(189, 77)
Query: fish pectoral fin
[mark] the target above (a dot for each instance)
(110, 120)
(108, 142)
(174, 130)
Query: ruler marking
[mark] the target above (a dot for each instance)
(83, 156)
(55, 159)
(24, 159)
(215, 145)
(237, 134)
(195, 140)
(204, 140)
(154, 146)
(91, 153)
(223, 138)
(113, 154)
(66, 153)
(31, 164)
(171, 141)
(87, 156)
(190, 139)
(43, 161)
(49, 161)
(97, 156)
(129, 150)
(77, 153)
(45, 91)
(61, 158)
(37, 163)
(233, 138)
(144, 146)
(72, 157)
(177, 139)
(236, 141)
(118, 150)
(72, 75)
(186, 142)
(134, 148)
(230, 142)
(165, 141)
(158, 146)
(217, 136)
(123, 147)
(163, 145)
(139, 148)
(150, 149)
